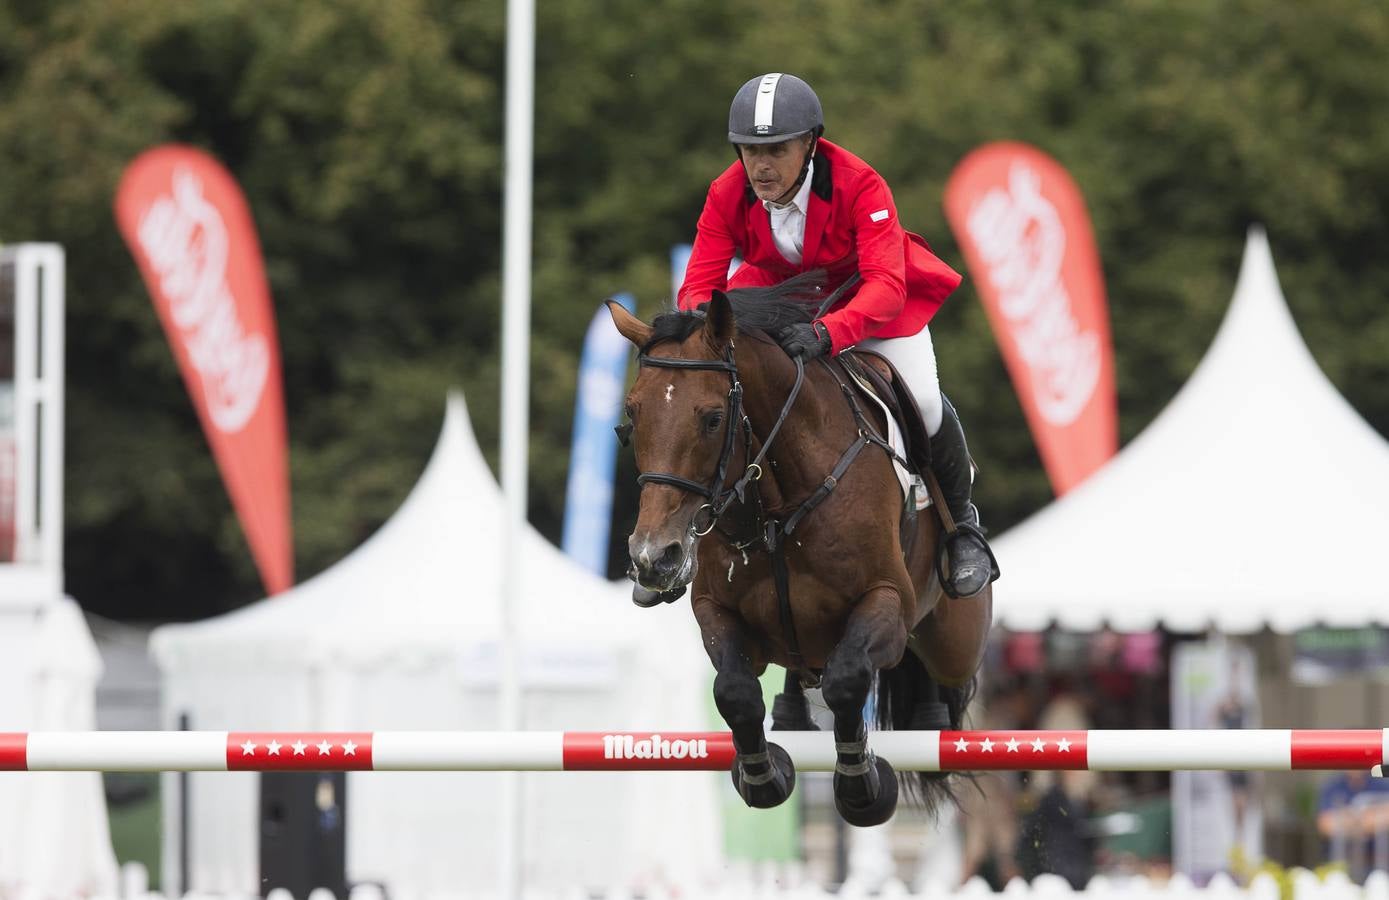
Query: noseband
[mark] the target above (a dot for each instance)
(719, 497)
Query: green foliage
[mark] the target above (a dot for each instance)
(367, 136)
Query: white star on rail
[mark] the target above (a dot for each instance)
(248, 749)
(1063, 745)
(299, 747)
(1039, 745)
(962, 745)
(349, 749)
(1012, 745)
(325, 748)
(273, 747)
(987, 745)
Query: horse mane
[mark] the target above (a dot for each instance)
(755, 309)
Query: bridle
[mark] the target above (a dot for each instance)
(719, 497)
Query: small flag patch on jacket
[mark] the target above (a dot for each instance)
(880, 215)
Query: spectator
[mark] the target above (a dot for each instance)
(989, 807)
(1056, 836)
(1352, 809)
(1233, 712)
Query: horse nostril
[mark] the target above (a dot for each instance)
(670, 558)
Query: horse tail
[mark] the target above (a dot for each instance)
(902, 693)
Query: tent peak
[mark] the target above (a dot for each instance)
(1258, 335)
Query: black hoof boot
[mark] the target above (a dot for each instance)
(791, 712)
(930, 715)
(767, 782)
(870, 807)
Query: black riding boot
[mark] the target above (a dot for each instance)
(972, 564)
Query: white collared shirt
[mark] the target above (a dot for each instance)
(788, 221)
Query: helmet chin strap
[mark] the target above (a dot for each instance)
(805, 170)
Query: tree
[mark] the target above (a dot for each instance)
(367, 137)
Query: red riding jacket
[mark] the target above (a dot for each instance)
(851, 226)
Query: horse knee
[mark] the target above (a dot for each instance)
(845, 687)
(738, 697)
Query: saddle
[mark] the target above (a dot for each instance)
(889, 387)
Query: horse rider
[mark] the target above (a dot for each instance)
(794, 202)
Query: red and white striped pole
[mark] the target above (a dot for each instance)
(483, 751)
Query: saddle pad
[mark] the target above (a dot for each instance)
(910, 482)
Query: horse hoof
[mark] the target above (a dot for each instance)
(791, 712)
(775, 790)
(875, 811)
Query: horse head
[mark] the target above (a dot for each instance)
(684, 412)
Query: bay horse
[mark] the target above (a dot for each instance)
(742, 488)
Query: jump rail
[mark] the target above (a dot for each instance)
(553, 751)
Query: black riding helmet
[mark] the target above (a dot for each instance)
(773, 108)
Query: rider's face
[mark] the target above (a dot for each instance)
(773, 168)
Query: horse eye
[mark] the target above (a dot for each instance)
(713, 420)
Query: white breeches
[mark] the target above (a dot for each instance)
(915, 359)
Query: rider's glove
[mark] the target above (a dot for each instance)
(807, 340)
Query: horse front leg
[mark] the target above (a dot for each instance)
(762, 772)
(865, 787)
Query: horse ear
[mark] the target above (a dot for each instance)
(628, 325)
(719, 324)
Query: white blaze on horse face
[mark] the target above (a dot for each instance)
(670, 392)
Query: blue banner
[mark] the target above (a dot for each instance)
(679, 258)
(588, 500)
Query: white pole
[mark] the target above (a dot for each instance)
(1263, 750)
(515, 376)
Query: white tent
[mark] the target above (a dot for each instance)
(1219, 513)
(54, 836)
(403, 634)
